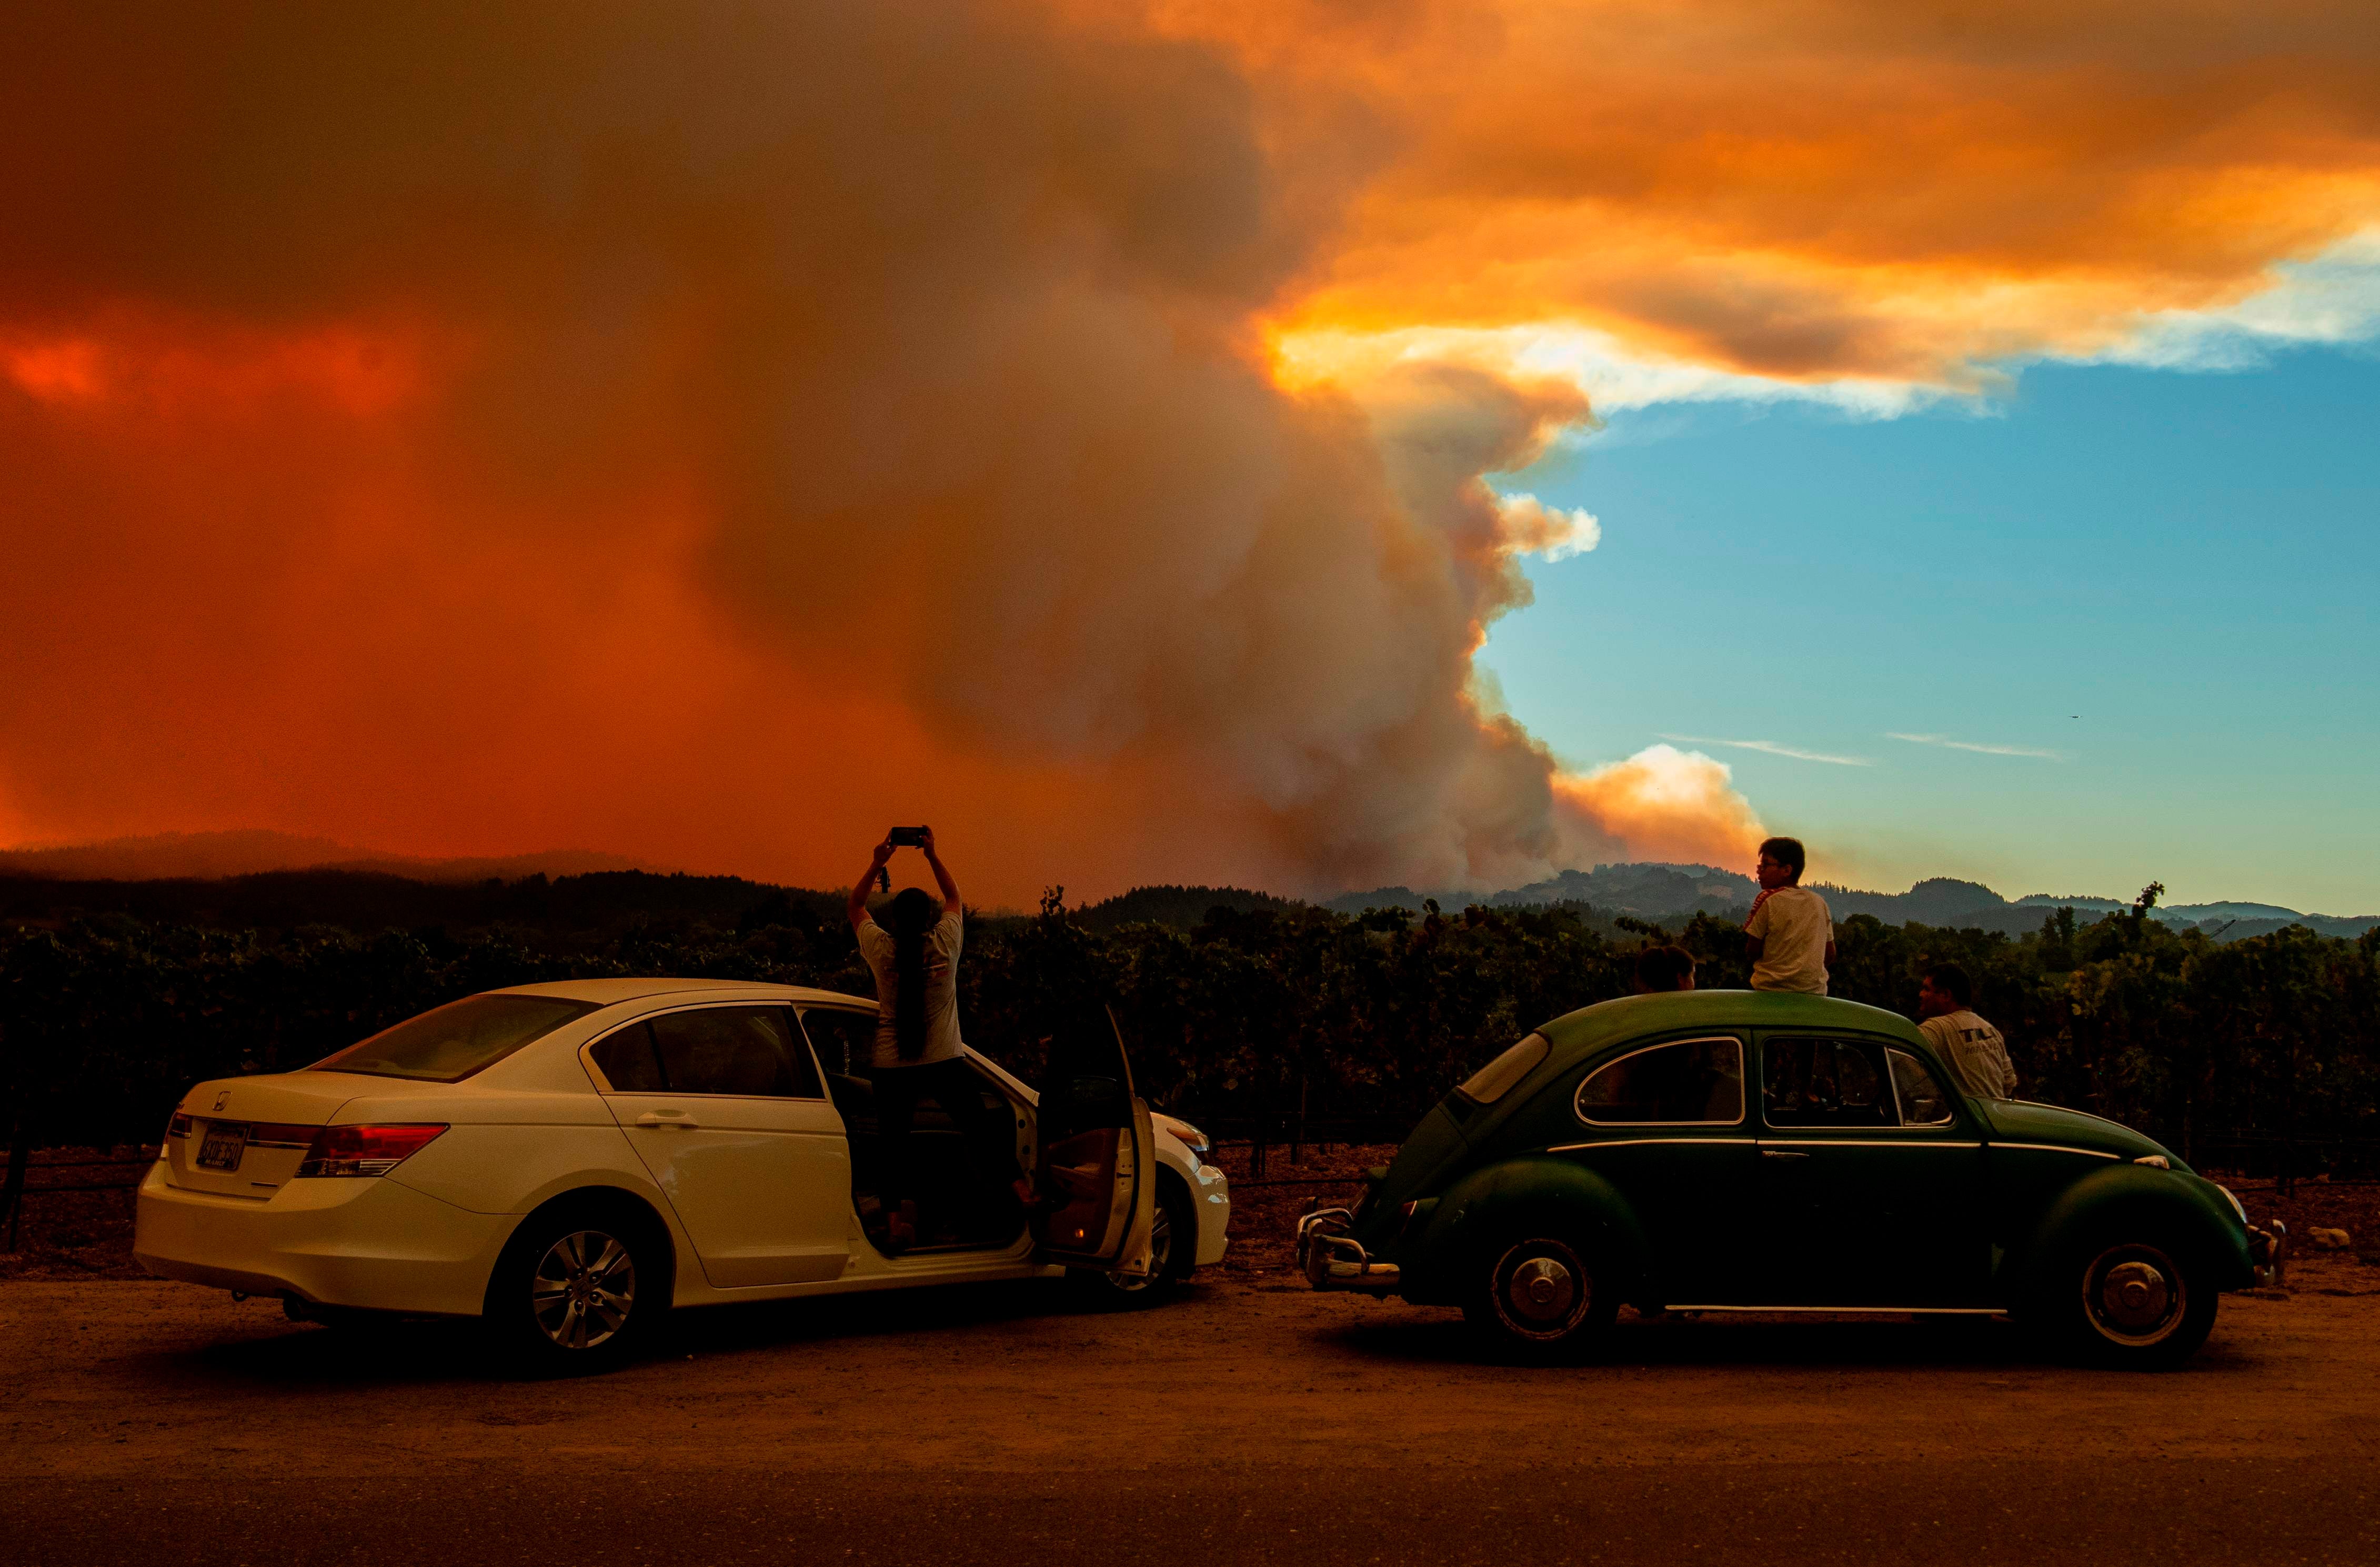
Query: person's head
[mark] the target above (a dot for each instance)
(1664, 968)
(1782, 860)
(913, 911)
(910, 916)
(1943, 988)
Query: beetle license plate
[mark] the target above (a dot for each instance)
(225, 1142)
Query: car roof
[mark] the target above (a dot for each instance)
(1591, 1027)
(611, 992)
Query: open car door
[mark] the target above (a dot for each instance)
(1095, 1156)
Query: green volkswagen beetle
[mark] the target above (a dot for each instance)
(1734, 1151)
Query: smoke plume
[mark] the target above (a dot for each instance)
(713, 431)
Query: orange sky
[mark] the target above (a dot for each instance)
(711, 433)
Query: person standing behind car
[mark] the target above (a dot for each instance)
(1790, 936)
(916, 1052)
(1972, 1046)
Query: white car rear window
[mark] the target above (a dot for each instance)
(449, 1043)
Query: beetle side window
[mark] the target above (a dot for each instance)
(1688, 1083)
(1923, 1101)
(748, 1052)
(1826, 1083)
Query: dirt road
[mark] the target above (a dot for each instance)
(152, 1423)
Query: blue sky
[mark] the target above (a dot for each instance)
(2164, 577)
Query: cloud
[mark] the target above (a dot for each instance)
(1851, 201)
(1989, 750)
(1772, 749)
(1664, 804)
(1534, 529)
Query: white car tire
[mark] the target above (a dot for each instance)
(1174, 1252)
(580, 1287)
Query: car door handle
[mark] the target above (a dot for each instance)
(667, 1118)
(1780, 1153)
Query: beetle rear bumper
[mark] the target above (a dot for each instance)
(1332, 1259)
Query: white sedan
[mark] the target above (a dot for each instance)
(566, 1162)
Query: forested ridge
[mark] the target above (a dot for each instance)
(2223, 1050)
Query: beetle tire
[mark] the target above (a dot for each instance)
(2136, 1301)
(511, 1318)
(1539, 1296)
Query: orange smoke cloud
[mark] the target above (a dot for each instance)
(1824, 188)
(712, 433)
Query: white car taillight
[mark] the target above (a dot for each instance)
(366, 1151)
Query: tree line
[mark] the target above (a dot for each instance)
(2229, 1053)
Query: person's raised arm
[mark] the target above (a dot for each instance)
(857, 907)
(942, 876)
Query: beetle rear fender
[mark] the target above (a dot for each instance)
(2137, 1199)
(1531, 1192)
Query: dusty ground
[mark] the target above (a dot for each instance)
(1251, 1421)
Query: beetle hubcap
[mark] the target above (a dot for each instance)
(1541, 1290)
(2135, 1295)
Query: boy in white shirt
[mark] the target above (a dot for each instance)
(1791, 933)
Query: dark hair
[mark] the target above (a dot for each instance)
(1952, 981)
(1664, 968)
(1787, 852)
(912, 916)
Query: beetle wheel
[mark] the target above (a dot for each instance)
(1542, 1297)
(2136, 1301)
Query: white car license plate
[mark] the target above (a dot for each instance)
(223, 1144)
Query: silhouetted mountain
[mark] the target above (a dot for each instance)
(172, 855)
(1670, 894)
(366, 901)
(1182, 907)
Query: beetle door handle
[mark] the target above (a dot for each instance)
(1781, 1153)
(667, 1118)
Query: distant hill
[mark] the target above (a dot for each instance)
(1646, 891)
(168, 855)
(1670, 894)
(1182, 907)
(277, 880)
(368, 901)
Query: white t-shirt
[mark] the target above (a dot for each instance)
(1793, 926)
(879, 947)
(1975, 1051)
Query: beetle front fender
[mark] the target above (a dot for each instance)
(1531, 1192)
(2131, 1198)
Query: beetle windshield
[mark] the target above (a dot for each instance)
(1489, 1083)
(447, 1044)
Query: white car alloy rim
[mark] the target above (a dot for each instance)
(583, 1289)
(2134, 1295)
(1161, 1253)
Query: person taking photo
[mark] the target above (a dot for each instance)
(915, 1052)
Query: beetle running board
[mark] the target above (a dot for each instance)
(1858, 1310)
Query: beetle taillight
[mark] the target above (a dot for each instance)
(366, 1151)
